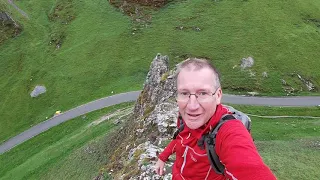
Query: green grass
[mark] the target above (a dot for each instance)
(63, 151)
(282, 111)
(32, 62)
(289, 146)
(295, 159)
(232, 30)
(99, 54)
(284, 129)
(286, 145)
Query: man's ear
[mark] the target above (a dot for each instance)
(219, 96)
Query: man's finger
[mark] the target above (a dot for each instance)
(161, 171)
(156, 170)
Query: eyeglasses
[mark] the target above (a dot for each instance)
(202, 96)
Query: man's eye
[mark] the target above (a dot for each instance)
(202, 93)
(184, 93)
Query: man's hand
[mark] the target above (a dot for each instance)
(159, 167)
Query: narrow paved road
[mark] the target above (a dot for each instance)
(18, 9)
(132, 96)
(272, 101)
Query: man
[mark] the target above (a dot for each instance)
(199, 100)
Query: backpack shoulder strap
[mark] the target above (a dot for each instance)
(180, 128)
(210, 142)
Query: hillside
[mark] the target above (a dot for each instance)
(122, 141)
(285, 144)
(84, 50)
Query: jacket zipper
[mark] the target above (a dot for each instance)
(184, 158)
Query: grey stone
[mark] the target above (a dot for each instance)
(4, 16)
(283, 82)
(117, 121)
(37, 91)
(252, 74)
(247, 62)
(6, 19)
(265, 74)
(196, 29)
(307, 83)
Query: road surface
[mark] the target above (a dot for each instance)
(132, 96)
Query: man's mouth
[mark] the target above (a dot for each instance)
(193, 115)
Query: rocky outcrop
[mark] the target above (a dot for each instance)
(152, 91)
(151, 3)
(7, 20)
(151, 127)
(8, 26)
(4, 17)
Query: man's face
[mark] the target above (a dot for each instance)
(196, 114)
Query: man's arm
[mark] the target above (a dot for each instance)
(236, 150)
(170, 149)
(163, 157)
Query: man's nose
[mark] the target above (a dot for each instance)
(193, 103)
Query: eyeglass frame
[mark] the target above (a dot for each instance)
(195, 94)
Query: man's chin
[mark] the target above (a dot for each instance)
(193, 125)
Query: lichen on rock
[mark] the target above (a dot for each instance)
(151, 126)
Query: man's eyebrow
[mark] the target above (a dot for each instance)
(183, 90)
(203, 89)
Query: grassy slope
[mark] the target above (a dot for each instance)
(74, 75)
(273, 32)
(286, 145)
(296, 159)
(100, 54)
(289, 146)
(53, 157)
(52, 150)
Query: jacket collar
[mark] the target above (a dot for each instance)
(220, 110)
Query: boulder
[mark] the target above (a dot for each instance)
(38, 90)
(247, 62)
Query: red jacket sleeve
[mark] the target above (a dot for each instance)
(236, 150)
(170, 149)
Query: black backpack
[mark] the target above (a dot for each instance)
(209, 139)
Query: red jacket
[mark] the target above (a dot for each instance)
(234, 146)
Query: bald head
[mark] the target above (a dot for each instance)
(195, 64)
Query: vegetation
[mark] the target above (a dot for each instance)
(8, 27)
(61, 14)
(74, 149)
(84, 50)
(70, 79)
(95, 49)
(78, 150)
(289, 146)
(282, 111)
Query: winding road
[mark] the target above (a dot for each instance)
(18, 9)
(132, 96)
